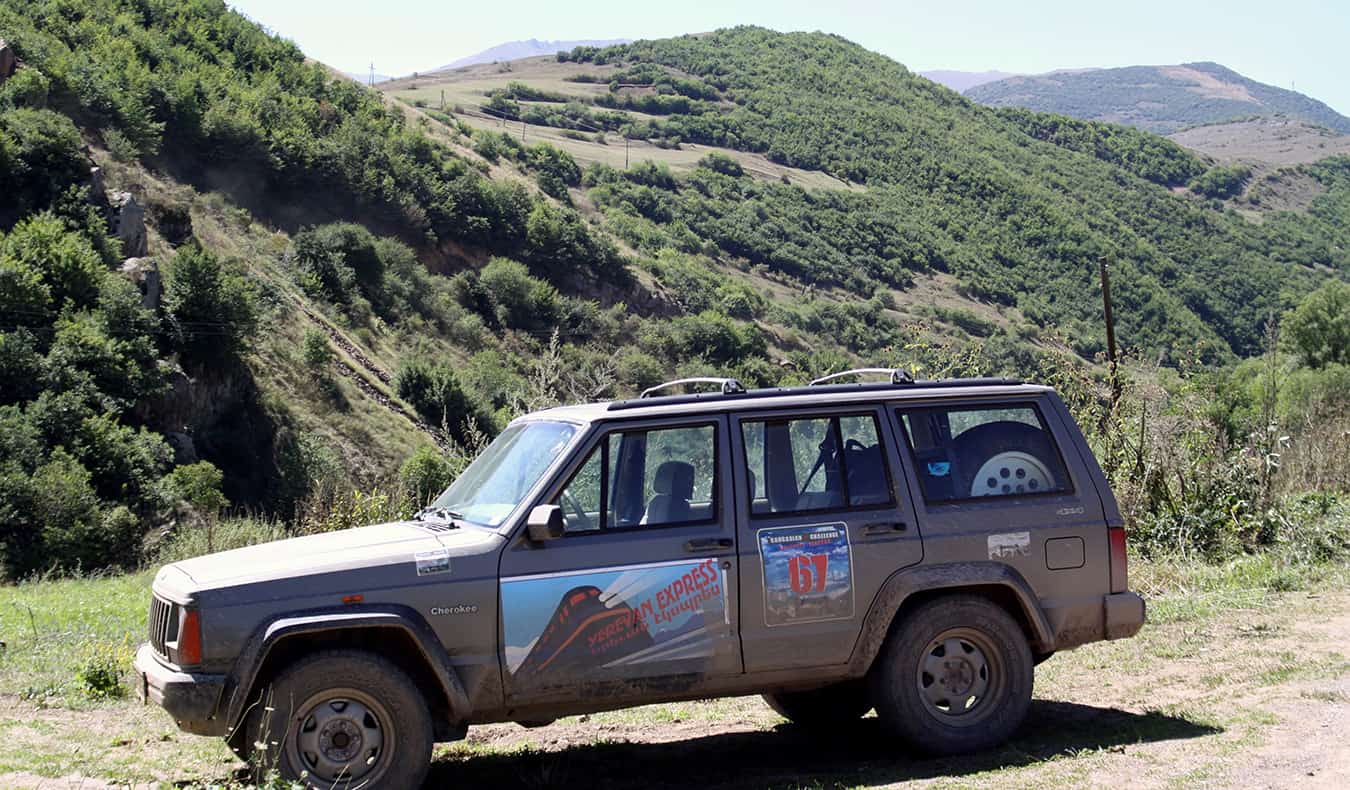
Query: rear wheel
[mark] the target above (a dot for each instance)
(838, 705)
(955, 677)
(343, 719)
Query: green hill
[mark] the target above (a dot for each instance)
(331, 280)
(1161, 99)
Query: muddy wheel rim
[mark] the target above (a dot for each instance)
(341, 737)
(959, 675)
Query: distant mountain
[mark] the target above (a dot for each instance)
(961, 81)
(1160, 99)
(514, 50)
(364, 77)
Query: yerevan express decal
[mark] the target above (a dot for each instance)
(625, 622)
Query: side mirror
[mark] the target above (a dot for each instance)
(545, 523)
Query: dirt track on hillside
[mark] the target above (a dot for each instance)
(1255, 697)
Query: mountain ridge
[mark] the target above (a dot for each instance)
(1158, 98)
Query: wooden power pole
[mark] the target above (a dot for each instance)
(1110, 332)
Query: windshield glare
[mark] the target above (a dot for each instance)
(496, 482)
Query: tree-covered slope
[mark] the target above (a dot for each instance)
(1160, 99)
(325, 283)
(1017, 206)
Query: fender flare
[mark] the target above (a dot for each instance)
(251, 659)
(948, 576)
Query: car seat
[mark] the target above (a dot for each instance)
(674, 485)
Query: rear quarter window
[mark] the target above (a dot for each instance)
(977, 452)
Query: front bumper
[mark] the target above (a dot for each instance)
(191, 699)
(1124, 615)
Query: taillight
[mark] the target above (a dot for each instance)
(1119, 562)
(188, 649)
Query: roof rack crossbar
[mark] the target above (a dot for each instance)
(898, 375)
(728, 386)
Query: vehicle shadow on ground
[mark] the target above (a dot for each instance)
(788, 756)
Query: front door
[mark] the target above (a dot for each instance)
(642, 585)
(825, 519)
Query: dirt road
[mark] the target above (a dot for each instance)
(1247, 691)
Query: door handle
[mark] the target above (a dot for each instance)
(707, 544)
(884, 527)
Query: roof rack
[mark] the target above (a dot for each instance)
(728, 386)
(898, 375)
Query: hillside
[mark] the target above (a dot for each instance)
(1273, 140)
(225, 269)
(1161, 99)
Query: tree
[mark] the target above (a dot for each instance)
(70, 268)
(210, 306)
(1319, 328)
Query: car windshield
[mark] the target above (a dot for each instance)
(496, 482)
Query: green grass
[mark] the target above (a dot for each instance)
(52, 629)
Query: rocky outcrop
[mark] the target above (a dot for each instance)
(128, 223)
(8, 60)
(144, 272)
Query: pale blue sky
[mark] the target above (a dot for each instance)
(1305, 43)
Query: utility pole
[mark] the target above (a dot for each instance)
(625, 152)
(522, 130)
(442, 99)
(372, 74)
(1110, 333)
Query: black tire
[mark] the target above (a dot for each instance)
(825, 708)
(343, 719)
(986, 689)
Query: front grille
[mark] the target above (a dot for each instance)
(163, 625)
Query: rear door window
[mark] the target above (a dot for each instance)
(965, 452)
(814, 464)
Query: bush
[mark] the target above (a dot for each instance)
(1221, 181)
(425, 475)
(721, 163)
(315, 351)
(435, 394)
(1319, 328)
(211, 307)
(70, 268)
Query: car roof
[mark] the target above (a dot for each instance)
(786, 397)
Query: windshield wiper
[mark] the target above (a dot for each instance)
(443, 513)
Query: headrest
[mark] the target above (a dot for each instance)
(675, 478)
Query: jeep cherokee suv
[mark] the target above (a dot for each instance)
(910, 546)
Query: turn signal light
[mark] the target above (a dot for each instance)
(189, 651)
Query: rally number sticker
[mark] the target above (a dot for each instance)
(808, 573)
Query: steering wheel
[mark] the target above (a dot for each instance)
(583, 521)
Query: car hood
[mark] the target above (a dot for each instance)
(328, 552)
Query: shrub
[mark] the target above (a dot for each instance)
(435, 394)
(211, 307)
(70, 268)
(100, 672)
(315, 351)
(721, 163)
(424, 475)
(25, 88)
(1221, 181)
(1319, 328)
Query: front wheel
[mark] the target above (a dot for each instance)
(343, 719)
(955, 677)
(825, 708)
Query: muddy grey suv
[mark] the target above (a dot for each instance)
(913, 547)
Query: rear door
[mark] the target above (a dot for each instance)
(823, 520)
(996, 487)
(642, 584)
